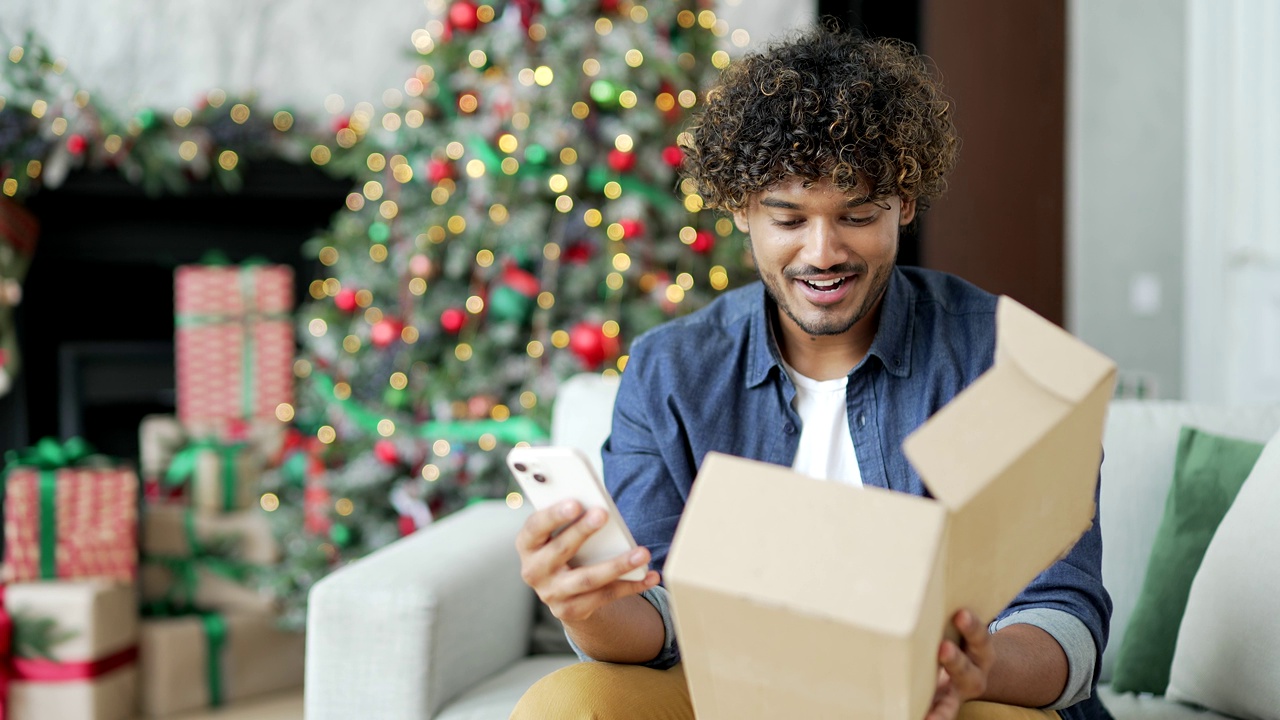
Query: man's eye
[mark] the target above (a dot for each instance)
(862, 220)
(787, 223)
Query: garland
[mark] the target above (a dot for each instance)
(50, 127)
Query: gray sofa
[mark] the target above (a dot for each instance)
(439, 625)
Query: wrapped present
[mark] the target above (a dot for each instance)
(204, 583)
(210, 660)
(209, 473)
(245, 536)
(235, 344)
(74, 651)
(68, 514)
(222, 476)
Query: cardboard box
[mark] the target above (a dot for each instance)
(97, 621)
(188, 584)
(833, 602)
(246, 536)
(255, 657)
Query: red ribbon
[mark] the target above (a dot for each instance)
(53, 671)
(33, 670)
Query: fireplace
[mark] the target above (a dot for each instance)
(96, 320)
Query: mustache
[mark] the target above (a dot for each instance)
(796, 273)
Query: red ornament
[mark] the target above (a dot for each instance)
(577, 253)
(385, 332)
(341, 123)
(703, 242)
(588, 341)
(608, 6)
(345, 300)
(621, 161)
(529, 9)
(463, 16)
(405, 525)
(521, 280)
(673, 156)
(631, 228)
(452, 320)
(438, 170)
(386, 452)
(76, 144)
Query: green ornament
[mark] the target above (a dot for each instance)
(597, 177)
(379, 232)
(508, 305)
(340, 535)
(395, 398)
(535, 155)
(605, 94)
(146, 118)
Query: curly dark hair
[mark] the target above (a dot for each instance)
(823, 104)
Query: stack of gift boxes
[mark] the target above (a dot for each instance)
(119, 605)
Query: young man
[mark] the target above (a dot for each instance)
(823, 148)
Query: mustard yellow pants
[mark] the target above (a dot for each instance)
(605, 691)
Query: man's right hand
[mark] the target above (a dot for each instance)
(574, 595)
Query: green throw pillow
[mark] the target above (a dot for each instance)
(1207, 474)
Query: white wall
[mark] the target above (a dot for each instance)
(1126, 170)
(1173, 175)
(293, 53)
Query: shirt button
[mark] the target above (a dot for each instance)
(789, 429)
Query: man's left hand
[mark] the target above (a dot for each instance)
(962, 669)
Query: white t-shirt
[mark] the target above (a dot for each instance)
(826, 445)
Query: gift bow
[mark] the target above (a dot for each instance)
(184, 465)
(49, 454)
(38, 670)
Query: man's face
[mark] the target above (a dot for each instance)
(825, 254)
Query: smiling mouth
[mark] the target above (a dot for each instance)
(825, 285)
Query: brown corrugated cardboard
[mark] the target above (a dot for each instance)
(833, 603)
(245, 535)
(257, 658)
(165, 581)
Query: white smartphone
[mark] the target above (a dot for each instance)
(551, 475)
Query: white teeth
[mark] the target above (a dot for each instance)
(825, 284)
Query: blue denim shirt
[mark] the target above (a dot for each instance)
(713, 381)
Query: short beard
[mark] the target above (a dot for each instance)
(877, 285)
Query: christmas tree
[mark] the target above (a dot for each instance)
(521, 220)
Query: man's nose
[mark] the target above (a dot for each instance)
(823, 247)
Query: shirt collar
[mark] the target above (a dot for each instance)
(892, 343)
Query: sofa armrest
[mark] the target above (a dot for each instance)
(400, 632)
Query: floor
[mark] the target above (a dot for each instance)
(283, 706)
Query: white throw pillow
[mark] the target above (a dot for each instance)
(1228, 653)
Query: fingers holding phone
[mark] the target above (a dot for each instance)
(547, 545)
(576, 550)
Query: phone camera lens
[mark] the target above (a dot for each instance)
(540, 477)
(520, 467)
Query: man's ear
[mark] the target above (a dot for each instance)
(908, 212)
(740, 220)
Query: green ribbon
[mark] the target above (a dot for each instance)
(597, 178)
(215, 633)
(512, 430)
(181, 595)
(48, 524)
(184, 465)
(48, 456)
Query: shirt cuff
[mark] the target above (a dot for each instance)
(1076, 642)
(670, 653)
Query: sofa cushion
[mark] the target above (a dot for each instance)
(1208, 472)
(1140, 444)
(1228, 652)
(494, 698)
(1149, 707)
